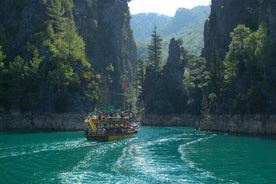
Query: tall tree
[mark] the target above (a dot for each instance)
(260, 46)
(196, 79)
(196, 75)
(234, 61)
(155, 50)
(250, 56)
(235, 73)
(67, 69)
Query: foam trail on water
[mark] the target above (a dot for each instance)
(139, 159)
(192, 165)
(44, 147)
(86, 169)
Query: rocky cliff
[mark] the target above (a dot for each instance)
(164, 92)
(104, 27)
(227, 14)
(109, 39)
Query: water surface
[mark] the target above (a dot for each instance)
(155, 155)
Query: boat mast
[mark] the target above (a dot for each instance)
(109, 69)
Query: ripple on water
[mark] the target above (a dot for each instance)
(196, 171)
(153, 160)
(31, 149)
(155, 155)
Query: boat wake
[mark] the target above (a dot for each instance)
(155, 155)
(128, 161)
(198, 172)
(146, 161)
(23, 150)
(91, 167)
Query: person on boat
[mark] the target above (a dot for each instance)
(118, 116)
(94, 117)
(104, 131)
(132, 117)
(108, 117)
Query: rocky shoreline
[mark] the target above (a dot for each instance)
(171, 120)
(241, 124)
(259, 125)
(42, 122)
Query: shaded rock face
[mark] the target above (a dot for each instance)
(268, 15)
(105, 27)
(112, 33)
(174, 52)
(164, 92)
(227, 14)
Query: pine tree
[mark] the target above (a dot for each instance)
(196, 75)
(196, 79)
(234, 61)
(67, 70)
(155, 50)
(248, 87)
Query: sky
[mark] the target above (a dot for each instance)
(166, 7)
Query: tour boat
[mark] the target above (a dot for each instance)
(110, 125)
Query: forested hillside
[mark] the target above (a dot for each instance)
(236, 73)
(58, 55)
(240, 50)
(186, 24)
(63, 55)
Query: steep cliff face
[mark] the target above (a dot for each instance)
(105, 27)
(268, 15)
(164, 92)
(227, 14)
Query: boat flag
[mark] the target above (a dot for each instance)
(124, 85)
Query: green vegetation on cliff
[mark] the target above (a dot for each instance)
(241, 57)
(249, 73)
(54, 53)
(240, 82)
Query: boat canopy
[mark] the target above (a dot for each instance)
(107, 109)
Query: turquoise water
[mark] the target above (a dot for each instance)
(155, 155)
